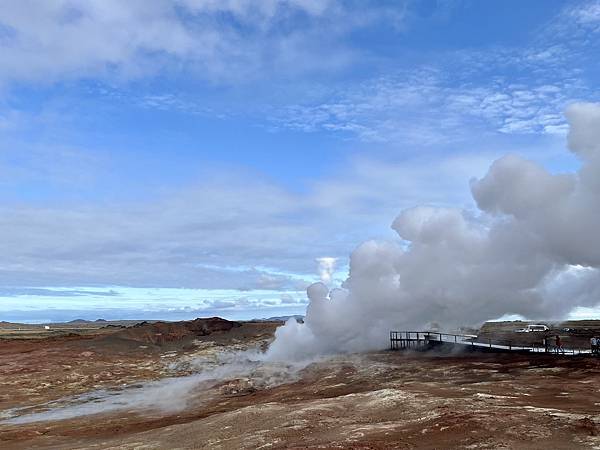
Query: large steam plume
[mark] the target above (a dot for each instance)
(532, 249)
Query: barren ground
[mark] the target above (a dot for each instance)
(375, 400)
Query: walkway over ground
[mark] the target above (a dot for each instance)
(426, 340)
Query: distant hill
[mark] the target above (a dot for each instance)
(87, 321)
(78, 321)
(298, 318)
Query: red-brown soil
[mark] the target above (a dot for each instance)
(34, 371)
(368, 401)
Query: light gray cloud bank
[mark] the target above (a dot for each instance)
(532, 251)
(227, 231)
(222, 41)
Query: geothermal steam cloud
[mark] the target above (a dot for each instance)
(326, 268)
(533, 248)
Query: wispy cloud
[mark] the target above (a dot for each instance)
(221, 41)
(577, 23)
(53, 292)
(510, 90)
(441, 103)
(118, 302)
(224, 232)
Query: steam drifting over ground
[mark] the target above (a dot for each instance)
(167, 395)
(531, 249)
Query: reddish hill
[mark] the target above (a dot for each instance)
(159, 333)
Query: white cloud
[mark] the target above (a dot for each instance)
(326, 268)
(577, 20)
(119, 302)
(426, 106)
(228, 231)
(511, 90)
(221, 41)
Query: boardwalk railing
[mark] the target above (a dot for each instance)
(428, 339)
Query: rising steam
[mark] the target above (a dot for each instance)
(532, 249)
(326, 268)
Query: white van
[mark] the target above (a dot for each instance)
(533, 328)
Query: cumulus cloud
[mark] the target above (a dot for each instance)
(530, 251)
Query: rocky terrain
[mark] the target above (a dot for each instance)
(211, 389)
(34, 371)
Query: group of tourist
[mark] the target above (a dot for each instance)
(595, 345)
(558, 346)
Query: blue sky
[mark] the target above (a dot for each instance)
(195, 157)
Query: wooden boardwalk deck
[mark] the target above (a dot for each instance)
(428, 340)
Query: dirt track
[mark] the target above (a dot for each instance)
(378, 400)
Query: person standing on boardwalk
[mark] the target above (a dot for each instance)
(558, 343)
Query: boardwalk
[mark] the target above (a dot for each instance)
(426, 340)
